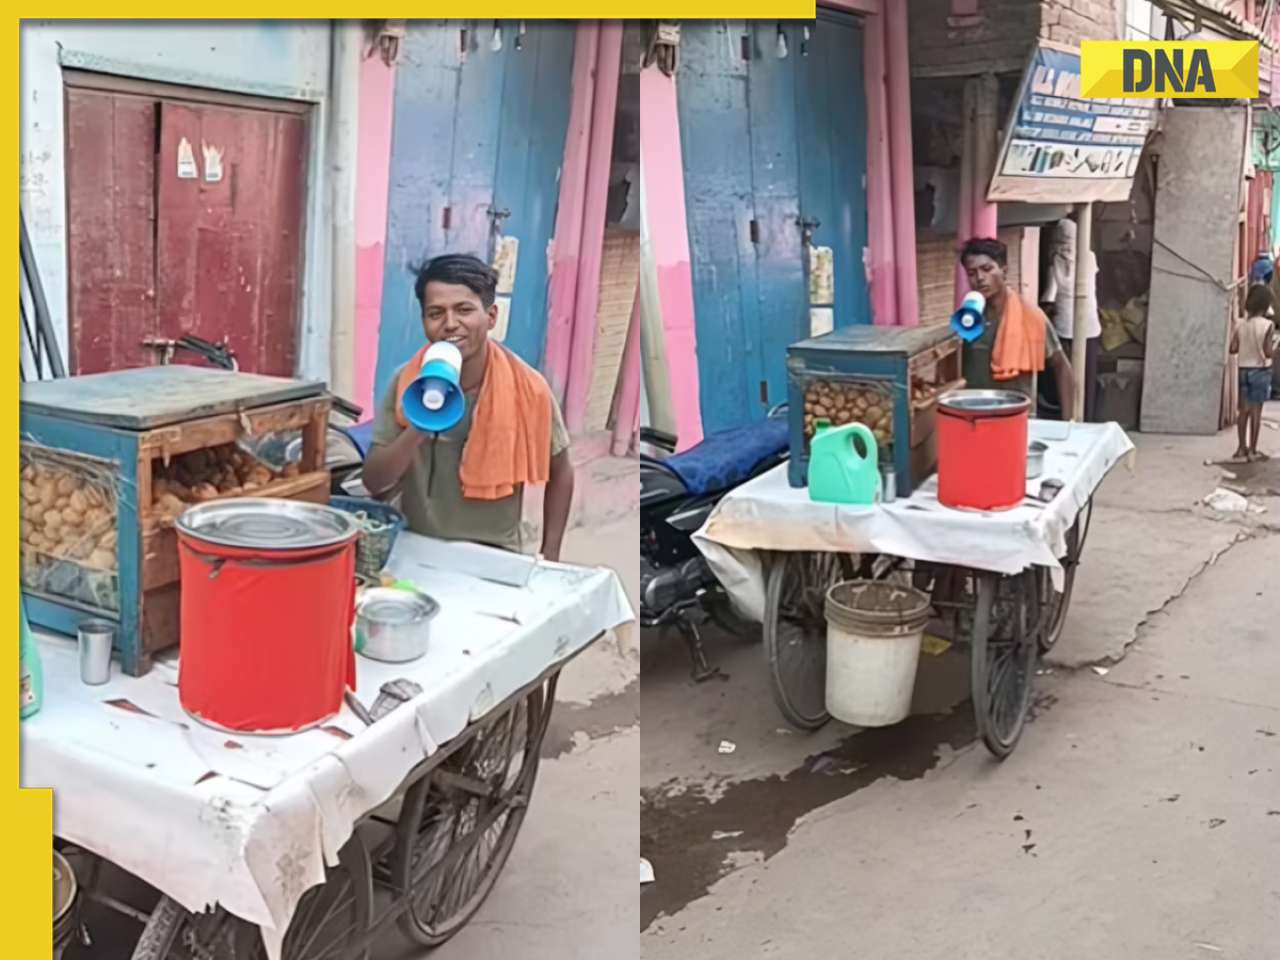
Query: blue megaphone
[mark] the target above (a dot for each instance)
(434, 402)
(967, 322)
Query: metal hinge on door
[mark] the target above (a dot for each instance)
(446, 217)
(754, 228)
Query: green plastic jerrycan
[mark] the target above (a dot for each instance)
(31, 691)
(838, 471)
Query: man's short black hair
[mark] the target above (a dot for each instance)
(986, 247)
(459, 268)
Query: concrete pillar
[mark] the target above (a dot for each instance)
(1084, 277)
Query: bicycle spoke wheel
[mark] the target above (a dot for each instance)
(1002, 659)
(795, 632)
(174, 933)
(459, 824)
(327, 922)
(325, 926)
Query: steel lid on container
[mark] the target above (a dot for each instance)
(395, 607)
(268, 524)
(975, 404)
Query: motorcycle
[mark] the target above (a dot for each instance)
(678, 491)
(345, 446)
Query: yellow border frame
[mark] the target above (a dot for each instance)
(27, 888)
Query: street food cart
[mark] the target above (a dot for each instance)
(309, 846)
(1000, 582)
(398, 804)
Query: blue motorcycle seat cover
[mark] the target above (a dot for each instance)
(728, 458)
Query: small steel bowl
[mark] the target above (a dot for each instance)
(395, 625)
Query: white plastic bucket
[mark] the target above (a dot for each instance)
(874, 632)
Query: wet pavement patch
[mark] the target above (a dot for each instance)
(692, 842)
(601, 717)
(1258, 479)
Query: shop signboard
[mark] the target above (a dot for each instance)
(1061, 148)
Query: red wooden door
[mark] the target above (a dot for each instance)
(228, 247)
(110, 229)
(202, 237)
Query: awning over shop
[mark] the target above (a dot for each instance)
(1216, 15)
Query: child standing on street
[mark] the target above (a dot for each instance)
(1253, 341)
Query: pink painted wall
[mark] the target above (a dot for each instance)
(880, 244)
(669, 239)
(898, 82)
(567, 243)
(595, 208)
(373, 172)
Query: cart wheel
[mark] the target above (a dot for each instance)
(795, 632)
(174, 933)
(459, 823)
(1002, 659)
(1055, 603)
(161, 931)
(329, 918)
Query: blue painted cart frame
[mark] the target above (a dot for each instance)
(117, 451)
(885, 357)
(146, 617)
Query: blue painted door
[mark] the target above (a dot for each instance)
(477, 144)
(832, 107)
(774, 155)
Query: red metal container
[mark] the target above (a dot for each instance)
(982, 449)
(268, 598)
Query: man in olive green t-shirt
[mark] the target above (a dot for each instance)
(984, 261)
(457, 293)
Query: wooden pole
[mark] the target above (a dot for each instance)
(1084, 276)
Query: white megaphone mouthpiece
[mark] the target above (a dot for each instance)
(967, 321)
(434, 401)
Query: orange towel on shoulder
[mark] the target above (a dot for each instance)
(1019, 346)
(509, 443)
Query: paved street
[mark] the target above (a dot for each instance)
(1139, 817)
